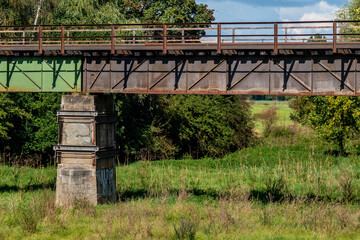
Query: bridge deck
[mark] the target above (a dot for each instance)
(269, 36)
(287, 58)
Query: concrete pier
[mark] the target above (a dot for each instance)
(86, 150)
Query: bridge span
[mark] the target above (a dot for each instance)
(267, 58)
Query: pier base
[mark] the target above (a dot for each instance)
(86, 150)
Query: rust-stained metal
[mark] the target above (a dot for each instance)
(218, 38)
(164, 39)
(334, 32)
(40, 39)
(226, 75)
(113, 34)
(273, 36)
(276, 38)
(191, 58)
(62, 50)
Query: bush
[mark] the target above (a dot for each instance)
(173, 126)
(268, 119)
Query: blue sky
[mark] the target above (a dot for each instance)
(276, 10)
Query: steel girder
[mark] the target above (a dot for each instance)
(264, 75)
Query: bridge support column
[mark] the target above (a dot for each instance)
(86, 150)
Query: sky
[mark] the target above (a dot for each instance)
(276, 10)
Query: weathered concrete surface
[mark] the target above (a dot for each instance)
(86, 151)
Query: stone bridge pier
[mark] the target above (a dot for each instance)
(86, 150)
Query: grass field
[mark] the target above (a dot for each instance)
(286, 187)
(283, 112)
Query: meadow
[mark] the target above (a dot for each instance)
(287, 186)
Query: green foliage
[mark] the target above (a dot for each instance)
(349, 11)
(208, 125)
(158, 127)
(172, 11)
(37, 131)
(335, 119)
(8, 110)
(87, 12)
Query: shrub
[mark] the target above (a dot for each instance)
(268, 119)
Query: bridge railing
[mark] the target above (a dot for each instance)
(177, 36)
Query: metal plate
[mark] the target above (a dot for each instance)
(40, 74)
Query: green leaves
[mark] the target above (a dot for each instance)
(173, 126)
(8, 110)
(334, 118)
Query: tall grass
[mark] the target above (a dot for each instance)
(286, 187)
(281, 189)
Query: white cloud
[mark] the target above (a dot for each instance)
(235, 11)
(315, 12)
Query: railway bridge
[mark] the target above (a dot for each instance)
(266, 58)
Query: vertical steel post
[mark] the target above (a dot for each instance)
(62, 39)
(40, 39)
(233, 35)
(276, 34)
(112, 39)
(183, 36)
(218, 38)
(164, 38)
(334, 37)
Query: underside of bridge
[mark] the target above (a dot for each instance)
(196, 72)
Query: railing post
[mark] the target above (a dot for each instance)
(164, 38)
(218, 38)
(286, 32)
(334, 37)
(112, 39)
(183, 36)
(233, 35)
(276, 34)
(23, 37)
(62, 40)
(40, 39)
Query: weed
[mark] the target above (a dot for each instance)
(186, 230)
(268, 118)
(347, 189)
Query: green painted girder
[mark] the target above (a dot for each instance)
(40, 74)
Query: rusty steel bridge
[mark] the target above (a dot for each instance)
(266, 58)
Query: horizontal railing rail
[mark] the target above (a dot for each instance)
(181, 34)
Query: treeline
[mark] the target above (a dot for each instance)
(149, 126)
(24, 12)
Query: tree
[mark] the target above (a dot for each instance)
(8, 110)
(169, 11)
(203, 125)
(335, 119)
(171, 126)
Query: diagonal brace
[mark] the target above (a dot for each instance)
(58, 74)
(167, 74)
(98, 75)
(127, 75)
(296, 78)
(246, 75)
(336, 76)
(26, 75)
(206, 74)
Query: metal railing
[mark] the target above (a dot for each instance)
(180, 34)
